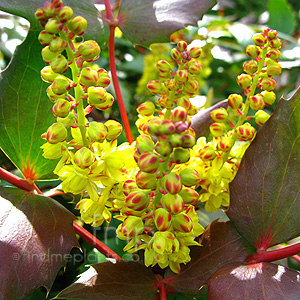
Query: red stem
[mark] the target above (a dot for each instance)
(16, 181)
(296, 257)
(163, 292)
(273, 255)
(113, 69)
(93, 241)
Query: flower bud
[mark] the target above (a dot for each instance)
(163, 148)
(261, 117)
(275, 43)
(194, 67)
(129, 186)
(58, 44)
(61, 108)
(250, 66)
(219, 115)
(48, 75)
(225, 143)
(245, 132)
(192, 86)
(253, 51)
(256, 102)
(59, 64)
(268, 84)
(71, 118)
(164, 102)
(88, 77)
(274, 69)
(107, 103)
(167, 127)
(148, 162)
(89, 50)
(104, 79)
(181, 155)
(171, 183)
(188, 141)
(182, 46)
(146, 180)
(56, 133)
(60, 85)
(57, 3)
(178, 114)
(162, 219)
(84, 158)
(45, 38)
(182, 76)
(154, 126)
(174, 204)
(175, 54)
(49, 9)
(189, 195)
(235, 101)
(154, 86)
(97, 132)
(268, 97)
(78, 25)
(146, 109)
(54, 151)
(131, 226)
(171, 84)
(53, 26)
(65, 14)
(189, 177)
(40, 14)
(48, 55)
(244, 81)
(144, 143)
(163, 66)
(114, 129)
(175, 140)
(207, 153)
(217, 129)
(182, 222)
(273, 54)
(96, 95)
(259, 39)
(195, 52)
(137, 200)
(53, 97)
(272, 34)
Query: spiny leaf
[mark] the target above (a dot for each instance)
(265, 194)
(263, 281)
(153, 21)
(35, 237)
(113, 281)
(25, 111)
(221, 244)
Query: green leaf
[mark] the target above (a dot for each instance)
(263, 281)
(113, 281)
(36, 236)
(25, 111)
(153, 21)
(265, 194)
(97, 29)
(281, 17)
(221, 245)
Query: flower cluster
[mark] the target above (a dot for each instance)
(89, 158)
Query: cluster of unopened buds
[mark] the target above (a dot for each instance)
(89, 159)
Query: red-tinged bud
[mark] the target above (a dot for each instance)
(171, 183)
(49, 10)
(184, 102)
(272, 34)
(256, 102)
(88, 77)
(78, 25)
(114, 129)
(61, 108)
(84, 158)
(164, 102)
(167, 127)
(235, 101)
(154, 126)
(45, 38)
(146, 180)
(182, 46)
(268, 97)
(57, 3)
(182, 126)
(144, 143)
(104, 79)
(165, 75)
(175, 140)
(163, 148)
(244, 81)
(56, 133)
(131, 227)
(217, 129)
(245, 132)
(53, 26)
(195, 52)
(89, 50)
(273, 54)
(225, 144)
(219, 115)
(189, 195)
(259, 39)
(188, 141)
(148, 162)
(182, 76)
(194, 67)
(52, 97)
(40, 14)
(189, 177)
(48, 55)
(162, 219)
(96, 95)
(274, 69)
(261, 117)
(154, 86)
(107, 103)
(250, 66)
(129, 186)
(182, 223)
(59, 64)
(58, 44)
(48, 75)
(175, 54)
(171, 84)
(60, 85)
(207, 153)
(268, 84)
(192, 86)
(181, 155)
(178, 114)
(275, 43)
(97, 132)
(65, 14)
(146, 109)
(163, 66)
(253, 51)
(137, 200)
(174, 204)
(70, 119)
